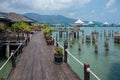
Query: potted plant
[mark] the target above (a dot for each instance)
(47, 34)
(58, 56)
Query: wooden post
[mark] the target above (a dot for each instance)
(82, 39)
(13, 59)
(65, 56)
(17, 53)
(79, 47)
(65, 52)
(60, 34)
(86, 73)
(67, 34)
(64, 35)
(28, 38)
(78, 34)
(21, 49)
(70, 34)
(96, 47)
(106, 45)
(101, 34)
(7, 50)
(57, 44)
(27, 35)
(26, 43)
(56, 41)
(70, 41)
(74, 35)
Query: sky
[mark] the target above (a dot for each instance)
(93, 10)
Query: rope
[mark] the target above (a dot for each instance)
(12, 55)
(89, 70)
(93, 74)
(5, 62)
(75, 58)
(60, 45)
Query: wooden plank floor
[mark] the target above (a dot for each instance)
(36, 63)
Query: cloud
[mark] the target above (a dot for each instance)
(83, 2)
(92, 11)
(63, 1)
(4, 5)
(40, 5)
(51, 4)
(113, 10)
(110, 3)
(110, 6)
(36, 4)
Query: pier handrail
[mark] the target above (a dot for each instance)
(12, 55)
(93, 74)
(75, 58)
(60, 45)
(88, 69)
(9, 58)
(5, 63)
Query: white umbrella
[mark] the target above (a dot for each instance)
(106, 23)
(90, 22)
(79, 22)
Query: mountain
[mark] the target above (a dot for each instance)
(2, 13)
(50, 19)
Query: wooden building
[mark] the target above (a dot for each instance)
(4, 22)
(7, 19)
(1, 36)
(18, 18)
(8, 41)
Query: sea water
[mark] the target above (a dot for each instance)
(7, 68)
(105, 64)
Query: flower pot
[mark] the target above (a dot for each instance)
(49, 42)
(58, 59)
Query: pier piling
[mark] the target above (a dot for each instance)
(79, 47)
(106, 45)
(86, 72)
(13, 59)
(96, 47)
(65, 52)
(7, 50)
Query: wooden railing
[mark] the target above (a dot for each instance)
(15, 54)
(86, 67)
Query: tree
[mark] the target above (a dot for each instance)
(1, 26)
(20, 27)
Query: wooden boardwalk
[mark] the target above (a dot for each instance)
(36, 63)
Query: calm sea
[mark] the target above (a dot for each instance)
(105, 64)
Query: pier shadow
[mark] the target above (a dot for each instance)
(3, 51)
(114, 73)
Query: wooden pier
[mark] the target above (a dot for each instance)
(36, 63)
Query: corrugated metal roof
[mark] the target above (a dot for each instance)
(14, 17)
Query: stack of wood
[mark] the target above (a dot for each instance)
(117, 38)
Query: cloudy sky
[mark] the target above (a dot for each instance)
(99, 10)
